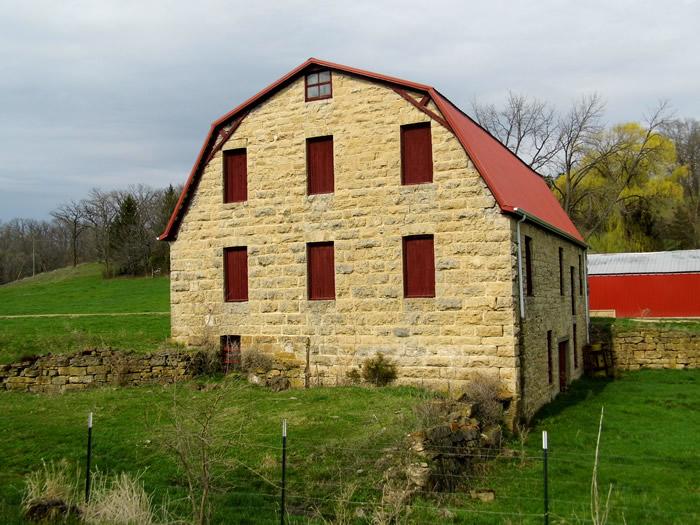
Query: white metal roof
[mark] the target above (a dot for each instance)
(680, 261)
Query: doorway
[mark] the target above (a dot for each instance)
(563, 364)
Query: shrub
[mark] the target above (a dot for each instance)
(484, 392)
(51, 492)
(431, 412)
(379, 370)
(254, 360)
(207, 361)
(353, 376)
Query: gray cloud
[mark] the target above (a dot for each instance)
(117, 92)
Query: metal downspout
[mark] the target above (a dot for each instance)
(520, 263)
(521, 364)
(585, 296)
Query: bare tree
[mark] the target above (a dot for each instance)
(685, 134)
(578, 133)
(72, 216)
(526, 126)
(100, 209)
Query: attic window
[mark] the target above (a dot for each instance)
(318, 85)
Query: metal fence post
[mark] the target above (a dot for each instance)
(89, 457)
(546, 488)
(284, 469)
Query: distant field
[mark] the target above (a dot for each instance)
(82, 290)
(338, 437)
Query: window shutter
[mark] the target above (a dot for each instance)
(416, 154)
(235, 175)
(236, 274)
(528, 266)
(320, 270)
(419, 266)
(561, 271)
(549, 356)
(573, 292)
(319, 165)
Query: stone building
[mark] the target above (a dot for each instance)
(340, 213)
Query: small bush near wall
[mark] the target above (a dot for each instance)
(485, 393)
(379, 370)
(255, 361)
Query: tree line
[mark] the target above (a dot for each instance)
(633, 186)
(117, 228)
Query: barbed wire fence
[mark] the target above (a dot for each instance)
(529, 487)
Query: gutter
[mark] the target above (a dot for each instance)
(587, 312)
(546, 225)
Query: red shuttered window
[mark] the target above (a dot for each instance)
(529, 284)
(320, 263)
(235, 175)
(418, 266)
(416, 154)
(236, 274)
(549, 356)
(319, 165)
(561, 271)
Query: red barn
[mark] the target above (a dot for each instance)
(655, 284)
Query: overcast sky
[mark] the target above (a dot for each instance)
(110, 93)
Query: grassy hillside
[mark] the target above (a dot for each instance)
(339, 436)
(81, 290)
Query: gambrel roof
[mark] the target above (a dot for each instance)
(514, 185)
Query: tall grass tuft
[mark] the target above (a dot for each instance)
(51, 492)
(119, 500)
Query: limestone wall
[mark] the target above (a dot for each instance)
(60, 373)
(547, 310)
(654, 345)
(468, 328)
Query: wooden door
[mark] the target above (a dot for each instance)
(563, 364)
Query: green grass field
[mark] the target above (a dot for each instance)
(81, 290)
(338, 436)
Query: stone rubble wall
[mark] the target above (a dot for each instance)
(655, 347)
(60, 373)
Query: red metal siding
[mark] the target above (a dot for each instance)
(652, 295)
(235, 175)
(319, 165)
(416, 154)
(236, 273)
(419, 266)
(321, 270)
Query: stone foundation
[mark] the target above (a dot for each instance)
(60, 373)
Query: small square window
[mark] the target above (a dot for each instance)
(318, 85)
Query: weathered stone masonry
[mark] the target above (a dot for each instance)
(61, 373)
(470, 327)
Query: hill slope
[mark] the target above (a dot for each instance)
(37, 314)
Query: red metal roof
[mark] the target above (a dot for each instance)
(514, 185)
